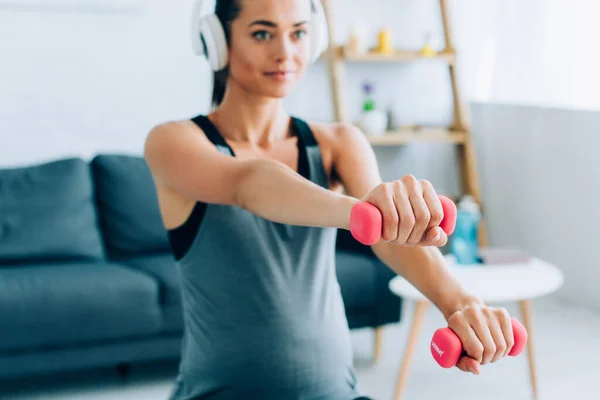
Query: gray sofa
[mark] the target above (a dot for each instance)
(87, 278)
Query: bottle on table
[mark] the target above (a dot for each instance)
(464, 242)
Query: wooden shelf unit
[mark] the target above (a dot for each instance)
(458, 134)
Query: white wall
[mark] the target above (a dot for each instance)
(540, 180)
(86, 82)
(81, 83)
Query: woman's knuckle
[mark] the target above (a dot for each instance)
(407, 220)
(391, 224)
(490, 348)
(473, 312)
(436, 217)
(409, 179)
(385, 188)
(422, 216)
(503, 313)
(425, 184)
(487, 311)
(501, 347)
(454, 319)
(510, 342)
(478, 351)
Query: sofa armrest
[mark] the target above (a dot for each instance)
(346, 242)
(364, 281)
(388, 306)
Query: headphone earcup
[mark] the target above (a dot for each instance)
(213, 35)
(195, 34)
(319, 35)
(208, 37)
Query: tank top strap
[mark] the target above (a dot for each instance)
(213, 134)
(316, 169)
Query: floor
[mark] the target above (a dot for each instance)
(567, 341)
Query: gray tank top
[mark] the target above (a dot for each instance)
(263, 311)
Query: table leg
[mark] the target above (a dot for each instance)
(527, 315)
(377, 343)
(419, 313)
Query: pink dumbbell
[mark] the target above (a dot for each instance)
(366, 221)
(366, 227)
(447, 349)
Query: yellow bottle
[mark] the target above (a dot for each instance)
(384, 42)
(427, 50)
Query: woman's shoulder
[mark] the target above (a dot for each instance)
(173, 127)
(334, 134)
(164, 133)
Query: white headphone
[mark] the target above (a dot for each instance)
(208, 35)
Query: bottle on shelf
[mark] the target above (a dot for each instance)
(357, 42)
(384, 42)
(428, 48)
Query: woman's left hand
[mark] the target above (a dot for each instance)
(485, 332)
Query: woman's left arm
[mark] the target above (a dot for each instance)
(486, 332)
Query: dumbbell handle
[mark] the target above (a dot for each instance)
(366, 221)
(447, 349)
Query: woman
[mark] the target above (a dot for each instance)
(249, 196)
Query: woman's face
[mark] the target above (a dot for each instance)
(270, 45)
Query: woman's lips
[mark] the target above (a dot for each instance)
(280, 75)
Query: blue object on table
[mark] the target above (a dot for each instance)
(464, 243)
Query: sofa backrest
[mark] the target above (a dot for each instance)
(47, 213)
(128, 206)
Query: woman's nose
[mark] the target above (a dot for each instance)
(284, 49)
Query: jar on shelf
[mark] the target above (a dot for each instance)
(357, 42)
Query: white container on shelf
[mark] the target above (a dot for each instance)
(374, 122)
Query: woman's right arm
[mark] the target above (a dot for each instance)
(187, 162)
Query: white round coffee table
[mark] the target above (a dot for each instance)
(520, 282)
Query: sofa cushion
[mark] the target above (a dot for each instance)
(47, 212)
(128, 206)
(164, 270)
(44, 306)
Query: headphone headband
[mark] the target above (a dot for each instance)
(208, 35)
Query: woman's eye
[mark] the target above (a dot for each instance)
(261, 35)
(299, 34)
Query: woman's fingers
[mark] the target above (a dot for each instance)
(467, 364)
(507, 330)
(463, 328)
(382, 197)
(485, 333)
(481, 326)
(435, 237)
(497, 334)
(411, 211)
(405, 213)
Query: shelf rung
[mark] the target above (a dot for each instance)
(416, 135)
(396, 56)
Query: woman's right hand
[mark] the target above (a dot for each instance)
(411, 211)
